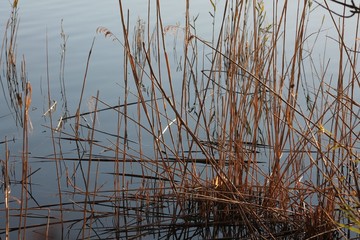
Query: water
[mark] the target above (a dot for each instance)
(39, 41)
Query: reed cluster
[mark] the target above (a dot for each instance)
(242, 137)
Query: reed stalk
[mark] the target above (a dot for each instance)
(241, 137)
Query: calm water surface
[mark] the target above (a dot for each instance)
(39, 32)
(38, 40)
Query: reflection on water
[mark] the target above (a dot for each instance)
(189, 151)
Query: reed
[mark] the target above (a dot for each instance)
(19, 90)
(241, 137)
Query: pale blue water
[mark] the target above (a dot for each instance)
(39, 41)
(40, 25)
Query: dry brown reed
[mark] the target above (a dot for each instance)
(248, 103)
(237, 145)
(6, 187)
(20, 95)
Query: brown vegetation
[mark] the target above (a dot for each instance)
(248, 147)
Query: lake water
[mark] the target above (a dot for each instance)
(39, 42)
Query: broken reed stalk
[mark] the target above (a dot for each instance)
(77, 120)
(121, 193)
(57, 159)
(7, 190)
(87, 200)
(25, 159)
(77, 126)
